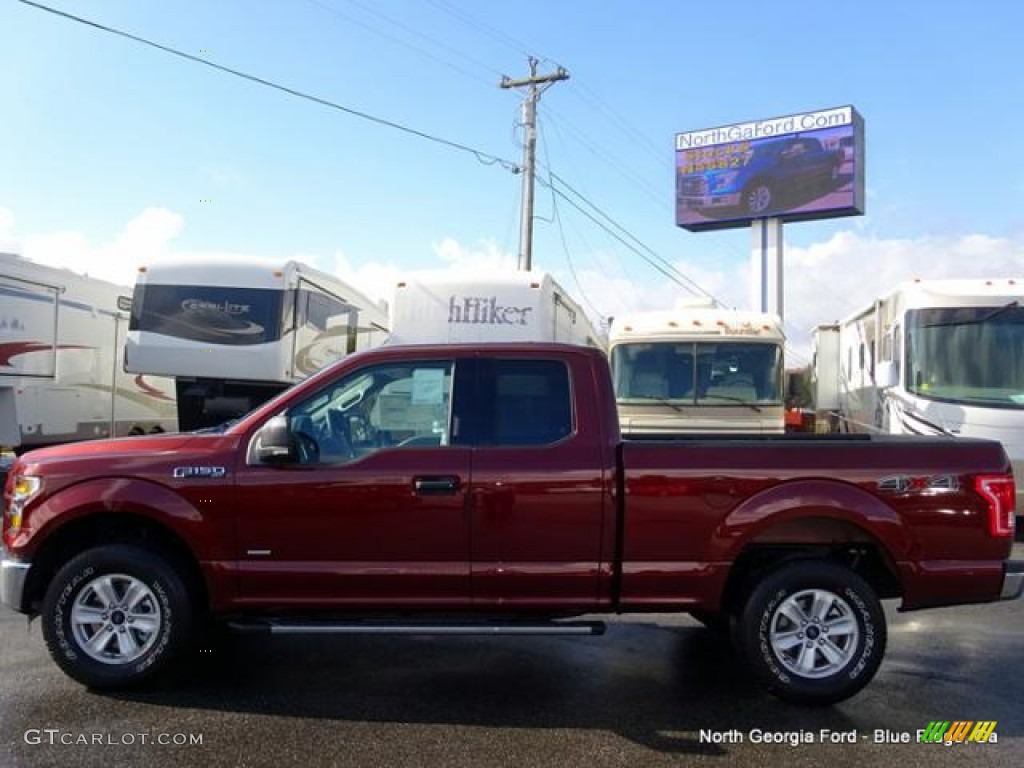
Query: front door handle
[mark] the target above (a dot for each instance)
(436, 485)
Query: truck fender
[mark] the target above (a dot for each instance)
(783, 506)
(121, 495)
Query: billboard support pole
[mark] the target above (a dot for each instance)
(766, 254)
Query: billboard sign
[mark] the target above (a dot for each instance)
(797, 167)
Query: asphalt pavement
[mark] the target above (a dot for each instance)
(655, 690)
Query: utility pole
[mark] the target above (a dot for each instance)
(530, 149)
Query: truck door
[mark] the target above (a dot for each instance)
(373, 510)
(539, 494)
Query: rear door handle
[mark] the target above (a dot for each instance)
(438, 485)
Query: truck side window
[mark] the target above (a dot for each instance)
(531, 402)
(391, 405)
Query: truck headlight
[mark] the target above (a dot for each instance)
(23, 490)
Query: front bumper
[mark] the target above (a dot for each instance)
(693, 202)
(12, 583)
(1013, 580)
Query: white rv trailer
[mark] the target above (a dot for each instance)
(443, 307)
(934, 357)
(698, 369)
(235, 332)
(62, 376)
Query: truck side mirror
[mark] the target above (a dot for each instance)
(274, 443)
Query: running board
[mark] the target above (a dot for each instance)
(287, 627)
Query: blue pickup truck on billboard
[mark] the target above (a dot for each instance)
(765, 173)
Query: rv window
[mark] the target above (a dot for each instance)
(897, 348)
(216, 315)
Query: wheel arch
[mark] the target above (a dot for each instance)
(823, 520)
(88, 531)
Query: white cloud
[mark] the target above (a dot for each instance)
(146, 237)
(825, 282)
(828, 281)
(487, 255)
(7, 241)
(375, 279)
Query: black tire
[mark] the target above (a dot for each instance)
(834, 649)
(131, 602)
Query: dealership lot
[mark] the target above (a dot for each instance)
(657, 690)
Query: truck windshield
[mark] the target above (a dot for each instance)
(969, 355)
(698, 373)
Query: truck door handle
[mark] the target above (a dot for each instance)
(443, 485)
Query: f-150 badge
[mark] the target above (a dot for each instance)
(210, 472)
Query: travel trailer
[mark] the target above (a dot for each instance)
(235, 332)
(698, 369)
(443, 307)
(62, 374)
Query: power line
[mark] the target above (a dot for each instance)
(481, 156)
(626, 172)
(670, 272)
(411, 31)
(647, 253)
(557, 219)
(587, 94)
(572, 267)
(487, 29)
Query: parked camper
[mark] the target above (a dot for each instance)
(441, 307)
(934, 357)
(235, 332)
(61, 361)
(699, 368)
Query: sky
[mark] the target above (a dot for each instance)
(114, 153)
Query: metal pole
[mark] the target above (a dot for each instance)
(525, 261)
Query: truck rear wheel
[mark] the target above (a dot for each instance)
(812, 633)
(116, 615)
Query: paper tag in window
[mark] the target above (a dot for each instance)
(428, 386)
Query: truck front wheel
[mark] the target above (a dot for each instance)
(812, 632)
(116, 615)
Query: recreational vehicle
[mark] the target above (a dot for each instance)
(699, 368)
(442, 307)
(62, 376)
(235, 332)
(934, 357)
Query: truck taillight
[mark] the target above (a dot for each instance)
(1000, 493)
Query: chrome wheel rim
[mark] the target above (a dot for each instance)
(814, 633)
(760, 198)
(116, 619)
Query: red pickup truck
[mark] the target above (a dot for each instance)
(457, 489)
